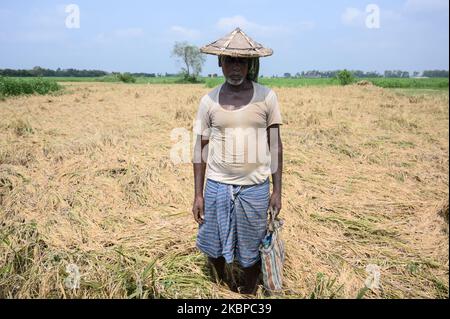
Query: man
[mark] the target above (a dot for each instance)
(238, 147)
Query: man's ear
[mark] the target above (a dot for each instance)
(220, 62)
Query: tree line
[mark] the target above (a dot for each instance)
(370, 74)
(42, 72)
(38, 71)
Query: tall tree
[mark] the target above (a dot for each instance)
(190, 56)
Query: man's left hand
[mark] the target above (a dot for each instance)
(275, 203)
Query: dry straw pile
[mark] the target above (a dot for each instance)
(86, 182)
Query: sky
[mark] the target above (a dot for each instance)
(138, 36)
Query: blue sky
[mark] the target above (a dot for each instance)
(137, 36)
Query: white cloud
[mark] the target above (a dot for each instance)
(306, 25)
(233, 22)
(389, 15)
(184, 32)
(33, 36)
(36, 26)
(48, 21)
(230, 23)
(126, 33)
(101, 38)
(353, 17)
(426, 5)
(129, 33)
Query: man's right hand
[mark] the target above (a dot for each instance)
(197, 209)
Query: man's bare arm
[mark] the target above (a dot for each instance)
(199, 177)
(276, 153)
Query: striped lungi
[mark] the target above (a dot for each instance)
(235, 220)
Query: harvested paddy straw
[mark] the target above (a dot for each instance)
(92, 207)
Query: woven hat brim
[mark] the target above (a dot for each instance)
(237, 44)
(239, 53)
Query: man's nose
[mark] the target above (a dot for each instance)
(235, 66)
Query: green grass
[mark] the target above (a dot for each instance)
(280, 82)
(325, 288)
(25, 86)
(111, 78)
(420, 92)
(108, 78)
(417, 84)
(431, 83)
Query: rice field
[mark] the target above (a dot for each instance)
(398, 83)
(86, 182)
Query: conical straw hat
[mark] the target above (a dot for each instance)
(237, 44)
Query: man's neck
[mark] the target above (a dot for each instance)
(238, 88)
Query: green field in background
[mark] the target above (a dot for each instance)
(407, 83)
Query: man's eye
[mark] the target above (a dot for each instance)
(239, 61)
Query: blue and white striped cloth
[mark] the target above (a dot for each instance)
(235, 221)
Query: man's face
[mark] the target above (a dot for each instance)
(234, 69)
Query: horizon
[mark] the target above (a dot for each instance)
(409, 35)
(219, 74)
